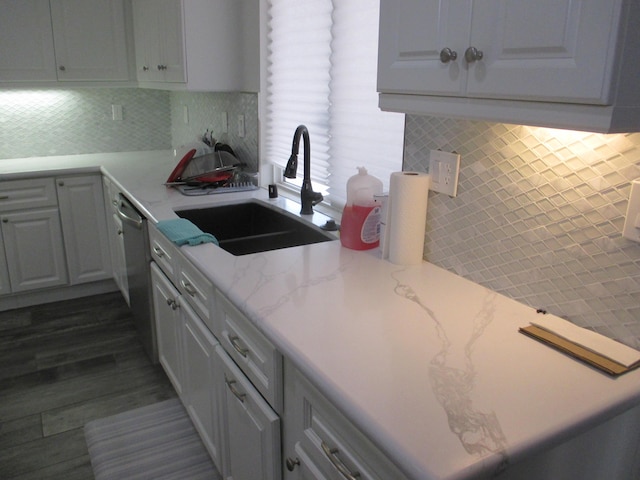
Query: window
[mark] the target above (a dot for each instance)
(321, 60)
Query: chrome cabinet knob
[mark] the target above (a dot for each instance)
(62, 68)
(447, 55)
(172, 303)
(472, 54)
(162, 67)
(145, 68)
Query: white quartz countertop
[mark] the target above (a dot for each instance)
(428, 365)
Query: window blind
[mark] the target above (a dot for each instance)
(321, 72)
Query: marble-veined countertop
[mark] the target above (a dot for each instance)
(427, 364)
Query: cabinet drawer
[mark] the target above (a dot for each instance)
(319, 437)
(25, 194)
(163, 252)
(197, 290)
(251, 350)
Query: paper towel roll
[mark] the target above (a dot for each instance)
(406, 218)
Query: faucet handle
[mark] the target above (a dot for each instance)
(316, 198)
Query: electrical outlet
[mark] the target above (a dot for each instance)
(444, 169)
(116, 113)
(241, 126)
(632, 220)
(224, 122)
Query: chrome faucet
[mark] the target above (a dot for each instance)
(308, 197)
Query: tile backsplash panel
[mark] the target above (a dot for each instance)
(538, 217)
(204, 111)
(41, 123)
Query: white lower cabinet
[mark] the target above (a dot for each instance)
(84, 226)
(201, 397)
(168, 327)
(34, 250)
(5, 286)
(256, 421)
(54, 232)
(32, 235)
(251, 429)
(239, 428)
(320, 443)
(116, 240)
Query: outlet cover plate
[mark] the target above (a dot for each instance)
(241, 125)
(632, 220)
(444, 169)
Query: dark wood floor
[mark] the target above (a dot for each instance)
(62, 365)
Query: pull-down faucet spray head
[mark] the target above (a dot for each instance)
(308, 197)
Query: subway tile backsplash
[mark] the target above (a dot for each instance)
(205, 113)
(538, 217)
(41, 123)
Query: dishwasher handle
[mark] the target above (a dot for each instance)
(136, 220)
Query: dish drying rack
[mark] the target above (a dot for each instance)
(208, 190)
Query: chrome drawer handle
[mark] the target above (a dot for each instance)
(158, 251)
(232, 386)
(236, 345)
(188, 288)
(4, 197)
(332, 455)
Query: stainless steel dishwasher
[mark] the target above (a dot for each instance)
(138, 258)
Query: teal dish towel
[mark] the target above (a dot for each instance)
(182, 232)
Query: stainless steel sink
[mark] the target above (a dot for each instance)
(252, 227)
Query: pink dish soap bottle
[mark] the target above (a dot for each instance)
(360, 225)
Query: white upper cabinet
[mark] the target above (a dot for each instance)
(26, 41)
(199, 45)
(556, 63)
(158, 39)
(412, 34)
(90, 39)
(63, 40)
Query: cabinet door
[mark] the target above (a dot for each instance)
(252, 430)
(159, 40)
(90, 39)
(555, 50)
(172, 36)
(412, 35)
(5, 286)
(84, 228)
(26, 41)
(115, 238)
(146, 24)
(34, 250)
(201, 396)
(168, 327)
(118, 259)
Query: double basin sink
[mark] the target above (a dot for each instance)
(253, 227)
